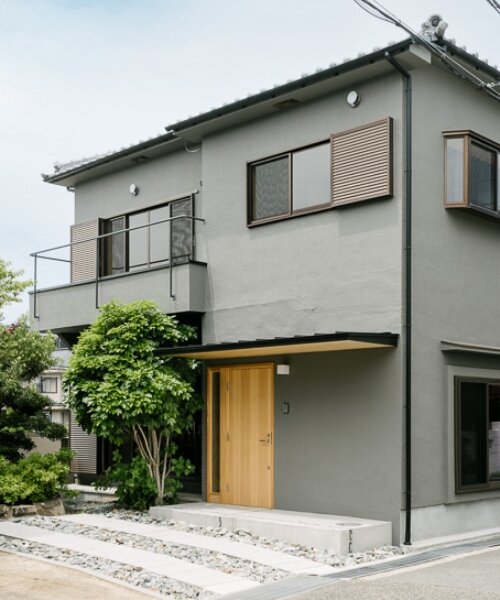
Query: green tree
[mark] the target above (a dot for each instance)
(24, 355)
(120, 388)
(10, 286)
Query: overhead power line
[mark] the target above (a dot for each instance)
(492, 3)
(376, 9)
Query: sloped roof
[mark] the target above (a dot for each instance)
(64, 172)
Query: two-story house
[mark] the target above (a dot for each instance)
(336, 241)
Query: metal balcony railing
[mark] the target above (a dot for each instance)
(102, 249)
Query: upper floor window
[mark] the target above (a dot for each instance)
(151, 240)
(355, 165)
(472, 173)
(477, 417)
(291, 183)
(49, 385)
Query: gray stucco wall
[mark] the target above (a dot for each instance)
(338, 451)
(456, 284)
(335, 270)
(159, 180)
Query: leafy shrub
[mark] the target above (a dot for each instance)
(136, 488)
(34, 478)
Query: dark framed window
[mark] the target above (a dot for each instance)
(291, 183)
(477, 437)
(351, 167)
(472, 173)
(143, 239)
(49, 385)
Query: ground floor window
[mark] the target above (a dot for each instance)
(477, 416)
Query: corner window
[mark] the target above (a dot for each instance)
(472, 173)
(477, 416)
(49, 385)
(146, 239)
(353, 166)
(290, 183)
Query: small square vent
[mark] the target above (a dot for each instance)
(138, 160)
(286, 104)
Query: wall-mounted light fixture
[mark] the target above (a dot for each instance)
(353, 98)
(282, 369)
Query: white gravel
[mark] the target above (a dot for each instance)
(163, 585)
(119, 571)
(326, 557)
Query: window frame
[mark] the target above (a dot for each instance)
(460, 488)
(45, 378)
(291, 213)
(105, 254)
(469, 138)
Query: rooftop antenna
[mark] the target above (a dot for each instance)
(433, 29)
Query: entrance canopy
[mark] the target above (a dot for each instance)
(322, 342)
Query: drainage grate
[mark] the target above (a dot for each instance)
(410, 560)
(281, 589)
(294, 585)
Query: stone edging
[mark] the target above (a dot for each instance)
(48, 508)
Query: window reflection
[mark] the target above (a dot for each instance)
(150, 244)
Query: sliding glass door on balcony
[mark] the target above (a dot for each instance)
(150, 240)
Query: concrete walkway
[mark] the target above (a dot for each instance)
(205, 578)
(474, 576)
(271, 558)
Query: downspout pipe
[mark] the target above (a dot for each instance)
(407, 348)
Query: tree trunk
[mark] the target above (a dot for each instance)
(155, 452)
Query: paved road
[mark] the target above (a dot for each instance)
(27, 579)
(467, 577)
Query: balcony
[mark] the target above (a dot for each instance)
(111, 260)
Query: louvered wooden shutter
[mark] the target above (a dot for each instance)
(85, 446)
(83, 256)
(362, 163)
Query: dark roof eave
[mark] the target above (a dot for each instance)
(491, 71)
(290, 87)
(112, 157)
(385, 338)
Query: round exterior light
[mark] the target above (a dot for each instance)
(353, 98)
(134, 189)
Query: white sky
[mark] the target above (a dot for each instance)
(79, 77)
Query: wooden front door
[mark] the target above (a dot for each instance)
(241, 435)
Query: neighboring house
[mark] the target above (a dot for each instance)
(283, 232)
(50, 384)
(88, 450)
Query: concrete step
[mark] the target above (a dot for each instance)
(88, 493)
(340, 534)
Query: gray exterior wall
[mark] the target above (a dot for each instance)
(338, 451)
(334, 270)
(341, 270)
(73, 306)
(161, 179)
(455, 287)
